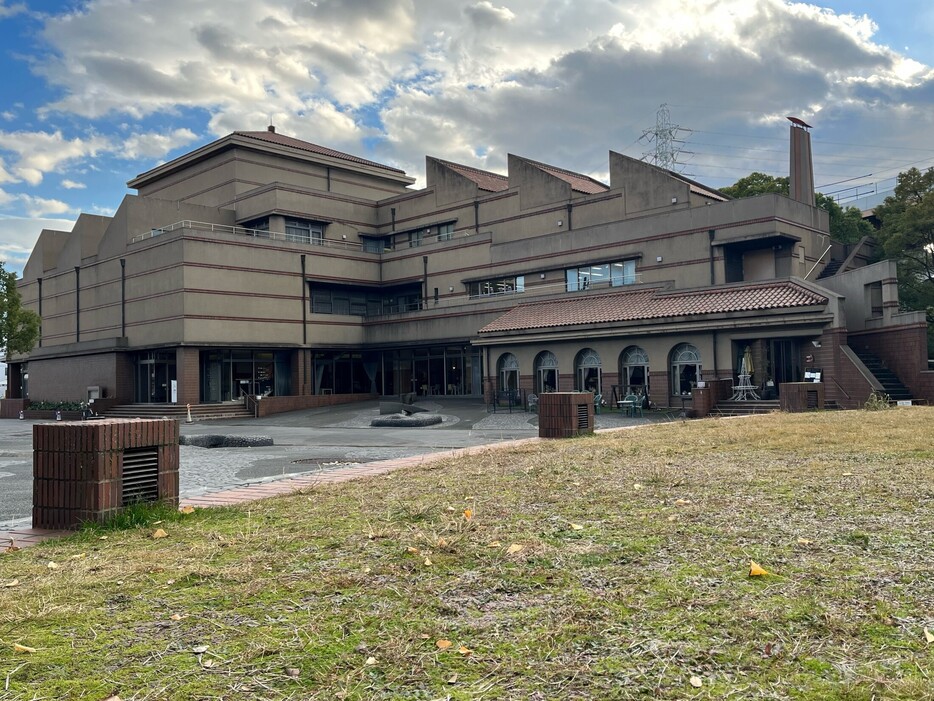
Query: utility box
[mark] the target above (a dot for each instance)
(565, 414)
(89, 471)
(801, 396)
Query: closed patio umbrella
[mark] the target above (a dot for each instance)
(747, 361)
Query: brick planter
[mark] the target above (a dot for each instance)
(565, 414)
(89, 471)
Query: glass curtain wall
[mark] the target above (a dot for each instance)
(226, 375)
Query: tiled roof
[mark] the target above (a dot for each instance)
(484, 179)
(283, 140)
(653, 303)
(578, 182)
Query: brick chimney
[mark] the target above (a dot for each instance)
(801, 186)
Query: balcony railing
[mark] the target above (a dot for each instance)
(310, 240)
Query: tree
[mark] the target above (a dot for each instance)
(19, 327)
(907, 236)
(846, 225)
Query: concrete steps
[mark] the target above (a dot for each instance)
(199, 412)
(761, 406)
(888, 379)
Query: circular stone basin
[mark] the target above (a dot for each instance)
(401, 420)
(217, 441)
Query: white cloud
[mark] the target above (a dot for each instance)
(72, 185)
(10, 10)
(561, 80)
(38, 207)
(154, 145)
(41, 152)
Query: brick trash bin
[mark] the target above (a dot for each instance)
(89, 471)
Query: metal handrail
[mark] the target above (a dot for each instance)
(806, 277)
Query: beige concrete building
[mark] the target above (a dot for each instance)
(266, 266)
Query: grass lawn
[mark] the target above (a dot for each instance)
(606, 567)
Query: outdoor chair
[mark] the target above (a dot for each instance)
(635, 405)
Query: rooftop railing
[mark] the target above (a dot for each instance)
(310, 239)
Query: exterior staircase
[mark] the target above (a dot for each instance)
(199, 412)
(830, 269)
(888, 379)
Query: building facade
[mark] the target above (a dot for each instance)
(267, 266)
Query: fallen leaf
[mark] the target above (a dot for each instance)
(52, 566)
(427, 562)
(367, 570)
(293, 672)
(576, 527)
(159, 533)
(104, 537)
(672, 518)
(697, 682)
(847, 474)
(207, 663)
(682, 502)
(513, 549)
(200, 649)
(11, 548)
(79, 556)
(411, 550)
(453, 679)
(468, 514)
(14, 583)
(637, 486)
(494, 544)
(112, 698)
(442, 542)
(175, 617)
(451, 508)
(156, 523)
(23, 648)
(756, 570)
(370, 661)
(928, 636)
(803, 541)
(187, 509)
(468, 498)
(424, 636)
(464, 650)
(444, 644)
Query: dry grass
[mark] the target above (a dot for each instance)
(632, 578)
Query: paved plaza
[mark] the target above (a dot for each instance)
(308, 444)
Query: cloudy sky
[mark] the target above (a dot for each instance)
(94, 92)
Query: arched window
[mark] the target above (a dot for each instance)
(507, 369)
(685, 368)
(587, 368)
(634, 370)
(546, 372)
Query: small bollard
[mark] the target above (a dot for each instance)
(188, 420)
(21, 415)
(58, 414)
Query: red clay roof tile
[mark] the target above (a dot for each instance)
(653, 303)
(484, 179)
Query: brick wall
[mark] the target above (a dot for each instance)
(904, 350)
(78, 467)
(277, 405)
(10, 408)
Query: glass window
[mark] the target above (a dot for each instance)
(614, 274)
(685, 369)
(304, 231)
(415, 238)
(446, 232)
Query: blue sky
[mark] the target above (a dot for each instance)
(95, 92)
